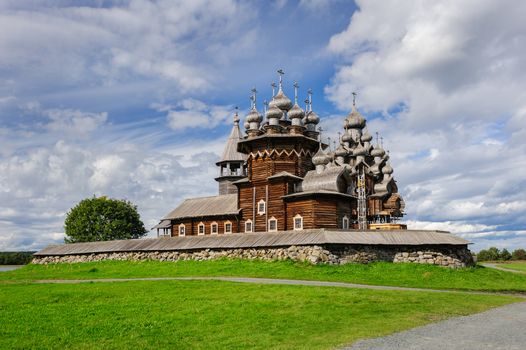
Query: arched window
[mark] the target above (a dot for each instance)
(182, 230)
(248, 226)
(213, 228)
(272, 224)
(262, 207)
(298, 222)
(201, 229)
(228, 227)
(345, 223)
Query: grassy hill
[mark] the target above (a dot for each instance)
(217, 314)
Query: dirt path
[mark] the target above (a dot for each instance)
(500, 328)
(272, 281)
(497, 267)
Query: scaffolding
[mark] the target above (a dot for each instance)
(362, 200)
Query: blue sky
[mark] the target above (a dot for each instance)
(134, 99)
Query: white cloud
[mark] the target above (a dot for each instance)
(192, 113)
(448, 82)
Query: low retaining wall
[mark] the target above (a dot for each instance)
(449, 256)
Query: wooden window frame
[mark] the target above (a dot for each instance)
(251, 226)
(275, 220)
(212, 228)
(228, 223)
(262, 212)
(345, 219)
(201, 225)
(297, 216)
(182, 232)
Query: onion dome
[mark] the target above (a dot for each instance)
(355, 119)
(320, 158)
(387, 169)
(345, 124)
(247, 124)
(253, 116)
(282, 101)
(273, 112)
(340, 151)
(296, 112)
(359, 150)
(312, 118)
(378, 152)
(346, 138)
(366, 137)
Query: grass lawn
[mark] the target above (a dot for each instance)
(213, 314)
(406, 275)
(515, 265)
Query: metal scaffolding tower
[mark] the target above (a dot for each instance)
(362, 200)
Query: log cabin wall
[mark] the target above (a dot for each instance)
(192, 225)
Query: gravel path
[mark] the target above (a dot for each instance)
(497, 267)
(269, 281)
(500, 328)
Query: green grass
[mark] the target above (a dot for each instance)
(406, 275)
(210, 314)
(516, 265)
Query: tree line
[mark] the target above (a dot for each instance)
(494, 254)
(15, 258)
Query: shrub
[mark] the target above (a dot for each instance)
(518, 254)
(490, 254)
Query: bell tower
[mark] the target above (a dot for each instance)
(232, 163)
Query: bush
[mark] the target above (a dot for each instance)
(518, 254)
(504, 255)
(15, 258)
(103, 219)
(490, 254)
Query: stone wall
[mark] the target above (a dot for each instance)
(443, 256)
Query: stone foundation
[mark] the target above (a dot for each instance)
(454, 256)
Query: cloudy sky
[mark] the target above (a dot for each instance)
(134, 99)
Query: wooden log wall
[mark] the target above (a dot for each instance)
(192, 229)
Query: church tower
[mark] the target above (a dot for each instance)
(232, 163)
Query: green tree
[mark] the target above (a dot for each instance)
(490, 254)
(504, 254)
(103, 219)
(518, 254)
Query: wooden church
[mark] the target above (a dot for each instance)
(279, 176)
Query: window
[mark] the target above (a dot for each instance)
(298, 222)
(201, 229)
(228, 227)
(248, 226)
(261, 207)
(345, 223)
(213, 228)
(272, 224)
(182, 230)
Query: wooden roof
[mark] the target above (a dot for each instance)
(230, 152)
(205, 206)
(260, 240)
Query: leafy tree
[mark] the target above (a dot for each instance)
(504, 255)
(490, 254)
(518, 254)
(103, 219)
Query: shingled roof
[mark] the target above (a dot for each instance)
(262, 240)
(230, 152)
(205, 206)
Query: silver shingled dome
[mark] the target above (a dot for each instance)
(378, 152)
(312, 118)
(320, 158)
(296, 112)
(282, 101)
(355, 119)
(253, 116)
